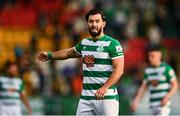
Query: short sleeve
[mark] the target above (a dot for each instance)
(145, 78)
(21, 86)
(171, 74)
(116, 50)
(78, 48)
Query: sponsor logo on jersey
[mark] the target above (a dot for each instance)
(89, 60)
(154, 83)
(118, 48)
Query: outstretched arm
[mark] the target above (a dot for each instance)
(139, 95)
(61, 55)
(118, 65)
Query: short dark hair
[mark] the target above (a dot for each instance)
(9, 63)
(94, 12)
(154, 48)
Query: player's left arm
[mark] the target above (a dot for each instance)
(174, 87)
(118, 65)
(25, 101)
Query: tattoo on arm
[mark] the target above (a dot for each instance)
(73, 54)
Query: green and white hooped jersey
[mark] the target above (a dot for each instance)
(10, 89)
(159, 82)
(97, 64)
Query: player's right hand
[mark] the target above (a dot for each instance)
(42, 56)
(134, 106)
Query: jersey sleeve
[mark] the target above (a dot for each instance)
(78, 47)
(170, 74)
(145, 78)
(116, 50)
(21, 87)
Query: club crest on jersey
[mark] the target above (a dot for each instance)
(84, 47)
(89, 60)
(154, 83)
(100, 48)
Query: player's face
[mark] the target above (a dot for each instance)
(95, 25)
(12, 70)
(154, 57)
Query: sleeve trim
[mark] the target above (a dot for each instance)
(117, 57)
(76, 51)
(173, 78)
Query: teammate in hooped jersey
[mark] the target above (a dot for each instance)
(160, 79)
(103, 64)
(12, 92)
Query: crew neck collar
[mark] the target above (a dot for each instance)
(100, 38)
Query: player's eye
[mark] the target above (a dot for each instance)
(97, 21)
(90, 21)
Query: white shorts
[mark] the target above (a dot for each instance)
(98, 107)
(10, 109)
(161, 111)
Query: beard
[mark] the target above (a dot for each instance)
(95, 34)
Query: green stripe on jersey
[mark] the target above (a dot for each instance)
(116, 97)
(8, 97)
(103, 61)
(94, 48)
(6, 90)
(94, 86)
(158, 91)
(159, 82)
(96, 73)
(156, 99)
(153, 74)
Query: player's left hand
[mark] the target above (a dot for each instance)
(164, 101)
(100, 93)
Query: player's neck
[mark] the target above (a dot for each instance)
(157, 64)
(97, 37)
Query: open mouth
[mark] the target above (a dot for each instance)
(94, 29)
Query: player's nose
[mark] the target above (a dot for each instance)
(94, 24)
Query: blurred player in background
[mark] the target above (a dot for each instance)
(11, 92)
(160, 79)
(103, 64)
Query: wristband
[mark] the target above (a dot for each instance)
(49, 54)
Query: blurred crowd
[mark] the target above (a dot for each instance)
(30, 26)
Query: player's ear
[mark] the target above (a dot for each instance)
(104, 23)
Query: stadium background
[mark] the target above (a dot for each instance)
(30, 26)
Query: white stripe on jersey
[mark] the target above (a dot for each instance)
(98, 67)
(13, 94)
(7, 79)
(160, 70)
(102, 55)
(92, 92)
(156, 77)
(157, 95)
(8, 86)
(96, 80)
(160, 87)
(158, 103)
(9, 100)
(97, 43)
